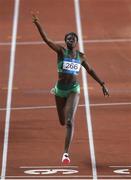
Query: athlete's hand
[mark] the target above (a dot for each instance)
(105, 90)
(34, 18)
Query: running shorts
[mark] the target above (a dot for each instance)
(62, 90)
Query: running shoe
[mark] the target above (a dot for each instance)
(65, 159)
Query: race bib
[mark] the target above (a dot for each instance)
(71, 66)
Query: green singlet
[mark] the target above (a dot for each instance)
(71, 66)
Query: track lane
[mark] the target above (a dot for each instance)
(6, 9)
(110, 124)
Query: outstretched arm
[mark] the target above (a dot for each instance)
(57, 48)
(90, 70)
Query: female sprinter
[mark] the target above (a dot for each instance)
(67, 88)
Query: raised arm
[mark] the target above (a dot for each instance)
(90, 70)
(57, 48)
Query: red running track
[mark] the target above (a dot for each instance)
(36, 140)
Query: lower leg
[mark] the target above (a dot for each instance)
(68, 139)
(70, 110)
(69, 136)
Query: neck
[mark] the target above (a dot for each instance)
(71, 49)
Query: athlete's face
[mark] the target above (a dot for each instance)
(71, 41)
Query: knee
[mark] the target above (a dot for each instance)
(69, 124)
(62, 120)
(62, 123)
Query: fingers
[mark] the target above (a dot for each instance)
(105, 91)
(106, 94)
(34, 17)
(33, 13)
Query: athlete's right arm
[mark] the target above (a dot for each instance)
(57, 48)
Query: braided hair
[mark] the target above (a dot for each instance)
(71, 33)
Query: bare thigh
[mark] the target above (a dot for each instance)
(71, 106)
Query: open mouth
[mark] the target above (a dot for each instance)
(70, 43)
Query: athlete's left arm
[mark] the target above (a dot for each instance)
(90, 70)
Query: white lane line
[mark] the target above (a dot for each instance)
(94, 41)
(10, 82)
(40, 178)
(86, 94)
(118, 166)
(29, 167)
(80, 105)
(65, 179)
(37, 178)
